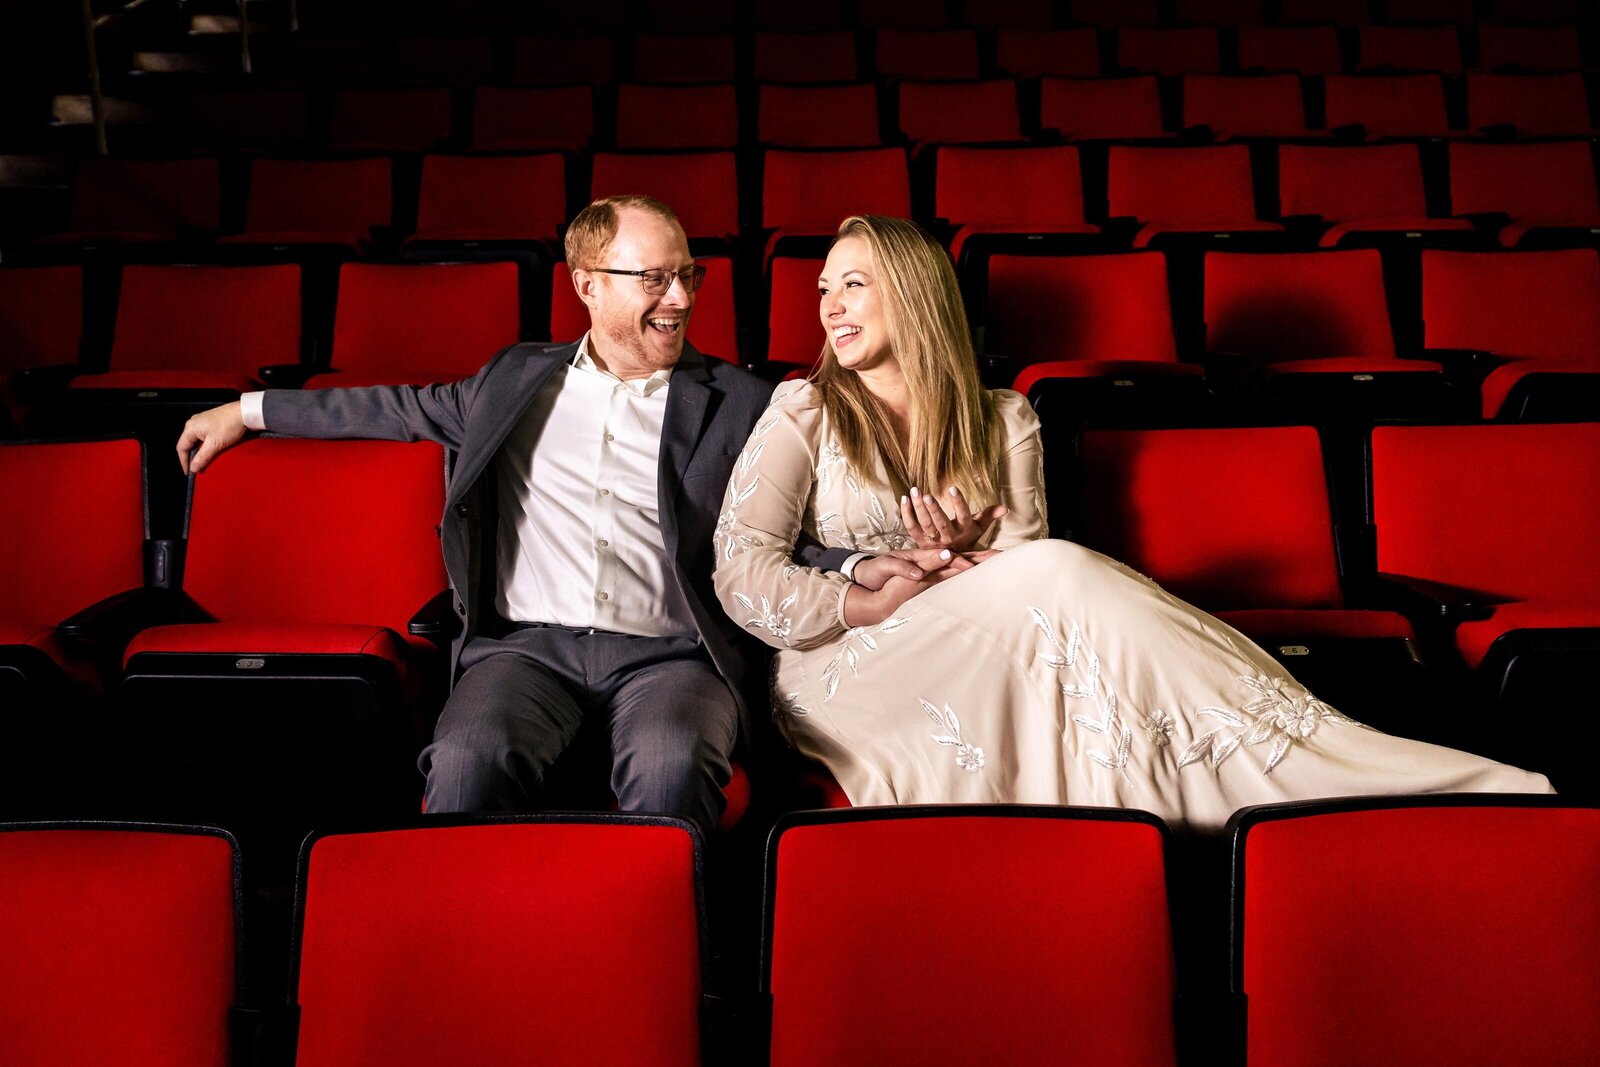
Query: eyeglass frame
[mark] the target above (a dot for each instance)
(696, 272)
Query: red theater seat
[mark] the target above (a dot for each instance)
(926, 54)
(1402, 105)
(807, 194)
(1338, 12)
(683, 57)
(207, 328)
(1360, 193)
(794, 328)
(1043, 195)
(959, 112)
(1538, 187)
(1085, 109)
(1546, 48)
(1454, 12)
(1220, 12)
(825, 56)
(677, 116)
(120, 944)
(316, 202)
(1460, 927)
(713, 328)
(143, 200)
(1533, 105)
(390, 120)
(1409, 48)
(1047, 53)
(1169, 51)
(420, 323)
(1193, 192)
(585, 59)
(1262, 105)
(437, 60)
(818, 116)
(701, 187)
(901, 14)
(616, 980)
(276, 120)
(1539, 312)
(1109, 14)
(533, 119)
(41, 326)
(471, 200)
(1302, 49)
(861, 972)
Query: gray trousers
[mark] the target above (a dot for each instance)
(521, 698)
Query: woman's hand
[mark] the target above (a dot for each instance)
(911, 563)
(864, 606)
(945, 522)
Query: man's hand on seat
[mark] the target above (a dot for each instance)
(209, 434)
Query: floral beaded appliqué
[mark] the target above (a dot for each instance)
(857, 639)
(725, 540)
(773, 620)
(1282, 712)
(969, 757)
(1081, 667)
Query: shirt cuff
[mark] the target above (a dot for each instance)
(848, 567)
(250, 408)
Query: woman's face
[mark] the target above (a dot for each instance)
(852, 314)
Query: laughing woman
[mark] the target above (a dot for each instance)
(966, 658)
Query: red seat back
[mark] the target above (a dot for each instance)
(207, 318)
(41, 316)
(588, 59)
(1267, 105)
(1405, 105)
(1509, 512)
(1169, 51)
(1545, 182)
(342, 198)
(819, 116)
(1080, 307)
(1513, 303)
(865, 966)
(1041, 187)
(533, 119)
(390, 120)
(1459, 933)
(438, 945)
(1302, 49)
(492, 198)
(1529, 47)
(119, 946)
(1037, 53)
(927, 53)
(1340, 184)
(1432, 48)
(145, 197)
(683, 57)
(435, 319)
(812, 192)
(1178, 505)
(702, 187)
(826, 56)
(74, 516)
(1538, 105)
(1181, 185)
(956, 112)
(677, 116)
(1091, 108)
(1297, 305)
(794, 327)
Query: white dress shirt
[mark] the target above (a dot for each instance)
(580, 542)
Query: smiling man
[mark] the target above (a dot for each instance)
(592, 474)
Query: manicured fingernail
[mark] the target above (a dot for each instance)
(902, 500)
(945, 554)
(914, 492)
(951, 490)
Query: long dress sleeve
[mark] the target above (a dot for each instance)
(1021, 481)
(757, 580)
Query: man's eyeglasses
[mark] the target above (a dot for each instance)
(658, 280)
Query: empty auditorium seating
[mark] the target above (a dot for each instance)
(1043, 196)
(1315, 327)
(390, 120)
(1221, 12)
(1546, 48)
(1460, 931)
(420, 323)
(824, 56)
(585, 59)
(1512, 588)
(1532, 105)
(120, 944)
(75, 516)
(701, 187)
(533, 119)
(862, 971)
(276, 120)
(819, 116)
(1408, 48)
(1169, 51)
(1338, 12)
(1401, 105)
(1082, 109)
(1546, 192)
(200, 328)
(474, 200)
(438, 943)
(683, 57)
(1361, 193)
(1538, 312)
(959, 112)
(1302, 49)
(1180, 506)
(443, 60)
(343, 202)
(1109, 14)
(677, 116)
(713, 327)
(794, 329)
(1264, 105)
(294, 675)
(41, 326)
(926, 54)
(1029, 14)
(143, 200)
(1047, 53)
(1184, 192)
(809, 193)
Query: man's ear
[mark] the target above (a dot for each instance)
(584, 282)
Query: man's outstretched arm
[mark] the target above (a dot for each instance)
(208, 434)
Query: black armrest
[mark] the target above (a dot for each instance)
(1423, 598)
(998, 371)
(113, 621)
(1349, 133)
(1458, 359)
(1500, 131)
(437, 619)
(32, 383)
(285, 375)
(1197, 135)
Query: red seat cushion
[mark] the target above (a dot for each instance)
(1475, 636)
(167, 379)
(1103, 368)
(328, 639)
(1265, 624)
(1352, 365)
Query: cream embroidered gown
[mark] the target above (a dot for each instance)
(1048, 674)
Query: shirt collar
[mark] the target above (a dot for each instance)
(646, 387)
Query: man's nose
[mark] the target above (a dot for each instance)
(677, 293)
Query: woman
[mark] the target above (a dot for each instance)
(970, 660)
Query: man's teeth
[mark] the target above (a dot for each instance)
(665, 324)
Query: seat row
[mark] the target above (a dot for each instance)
(1408, 930)
(578, 118)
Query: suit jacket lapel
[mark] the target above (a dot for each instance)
(688, 407)
(519, 391)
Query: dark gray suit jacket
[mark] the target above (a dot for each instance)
(711, 408)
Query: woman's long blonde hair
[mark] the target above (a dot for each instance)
(955, 434)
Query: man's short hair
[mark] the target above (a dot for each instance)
(591, 232)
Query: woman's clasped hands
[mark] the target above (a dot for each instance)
(944, 530)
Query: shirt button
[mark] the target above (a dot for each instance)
(605, 596)
(611, 437)
(602, 542)
(605, 492)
